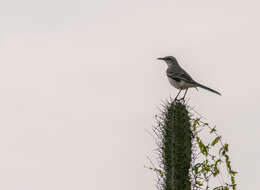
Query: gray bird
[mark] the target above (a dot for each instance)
(179, 78)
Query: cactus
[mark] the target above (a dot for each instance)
(176, 147)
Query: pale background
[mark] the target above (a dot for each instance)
(80, 85)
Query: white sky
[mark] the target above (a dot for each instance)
(80, 85)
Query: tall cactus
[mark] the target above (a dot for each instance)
(176, 147)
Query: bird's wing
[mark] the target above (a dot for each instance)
(181, 76)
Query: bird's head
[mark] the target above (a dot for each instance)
(170, 60)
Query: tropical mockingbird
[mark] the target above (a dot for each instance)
(179, 78)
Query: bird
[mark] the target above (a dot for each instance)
(179, 78)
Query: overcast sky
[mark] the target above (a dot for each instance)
(80, 85)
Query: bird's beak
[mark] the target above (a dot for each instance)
(160, 58)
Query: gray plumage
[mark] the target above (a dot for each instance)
(179, 78)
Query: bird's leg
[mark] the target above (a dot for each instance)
(177, 95)
(185, 93)
(183, 98)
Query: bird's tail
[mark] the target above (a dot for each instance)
(207, 88)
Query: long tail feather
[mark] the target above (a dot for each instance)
(207, 88)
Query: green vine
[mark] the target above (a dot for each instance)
(210, 160)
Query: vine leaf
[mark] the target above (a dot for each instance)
(215, 141)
